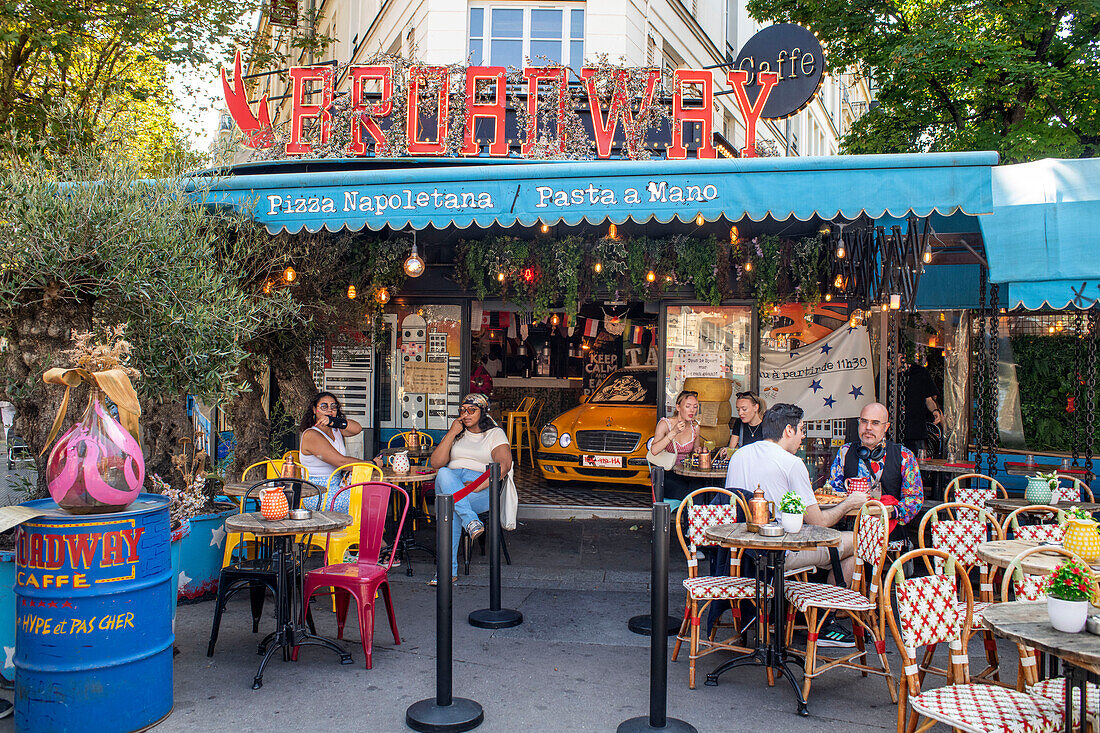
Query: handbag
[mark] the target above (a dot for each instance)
(509, 503)
(664, 459)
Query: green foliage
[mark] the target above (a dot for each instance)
(1045, 368)
(1070, 581)
(792, 503)
(1021, 78)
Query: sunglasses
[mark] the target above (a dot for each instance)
(327, 406)
(746, 396)
(469, 409)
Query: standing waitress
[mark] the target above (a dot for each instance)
(679, 434)
(747, 427)
(322, 451)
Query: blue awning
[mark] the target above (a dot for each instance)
(508, 192)
(1043, 237)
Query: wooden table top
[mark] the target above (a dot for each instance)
(938, 464)
(738, 535)
(693, 472)
(414, 476)
(238, 489)
(255, 523)
(1021, 468)
(1028, 622)
(1007, 506)
(1002, 552)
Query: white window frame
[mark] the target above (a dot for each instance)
(567, 39)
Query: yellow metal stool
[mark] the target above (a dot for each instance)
(519, 430)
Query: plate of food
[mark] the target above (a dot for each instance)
(828, 499)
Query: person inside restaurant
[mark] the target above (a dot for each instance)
(324, 427)
(679, 434)
(771, 465)
(746, 428)
(473, 441)
(890, 468)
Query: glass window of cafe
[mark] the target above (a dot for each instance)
(704, 342)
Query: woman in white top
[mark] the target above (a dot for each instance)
(679, 434)
(322, 451)
(473, 442)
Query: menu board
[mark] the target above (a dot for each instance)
(599, 361)
(704, 364)
(425, 377)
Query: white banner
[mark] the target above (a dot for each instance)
(830, 378)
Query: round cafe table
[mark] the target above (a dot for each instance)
(1007, 506)
(771, 654)
(1027, 622)
(411, 481)
(290, 627)
(1001, 553)
(695, 472)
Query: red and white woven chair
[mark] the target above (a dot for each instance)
(1025, 587)
(702, 590)
(929, 613)
(1039, 531)
(961, 538)
(861, 602)
(1076, 491)
(973, 493)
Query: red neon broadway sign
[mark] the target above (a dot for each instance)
(364, 113)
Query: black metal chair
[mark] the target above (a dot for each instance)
(257, 574)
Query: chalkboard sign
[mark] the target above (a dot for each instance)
(599, 361)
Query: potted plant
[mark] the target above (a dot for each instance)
(1069, 588)
(1081, 537)
(1042, 488)
(794, 511)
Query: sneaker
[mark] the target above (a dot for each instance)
(835, 635)
(475, 529)
(6, 708)
(435, 580)
(384, 557)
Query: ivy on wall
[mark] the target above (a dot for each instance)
(1045, 369)
(550, 272)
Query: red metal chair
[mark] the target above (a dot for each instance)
(365, 577)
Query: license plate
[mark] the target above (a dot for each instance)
(603, 461)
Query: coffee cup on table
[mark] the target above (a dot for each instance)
(858, 483)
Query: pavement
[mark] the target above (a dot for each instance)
(572, 665)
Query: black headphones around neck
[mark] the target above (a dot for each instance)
(872, 454)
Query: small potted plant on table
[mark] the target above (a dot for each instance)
(794, 511)
(1069, 588)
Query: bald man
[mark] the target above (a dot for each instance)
(891, 468)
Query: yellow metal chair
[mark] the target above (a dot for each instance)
(519, 429)
(272, 468)
(340, 541)
(425, 439)
(293, 455)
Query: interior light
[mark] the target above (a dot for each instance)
(943, 316)
(886, 306)
(1050, 329)
(838, 283)
(351, 292)
(289, 275)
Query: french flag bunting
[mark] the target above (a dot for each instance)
(636, 335)
(591, 328)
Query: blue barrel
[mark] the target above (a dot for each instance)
(93, 619)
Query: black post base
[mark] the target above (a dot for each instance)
(504, 618)
(460, 715)
(643, 625)
(641, 723)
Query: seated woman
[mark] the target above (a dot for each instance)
(473, 441)
(322, 451)
(679, 434)
(747, 427)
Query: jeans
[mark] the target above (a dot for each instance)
(449, 481)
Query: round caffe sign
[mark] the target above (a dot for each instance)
(790, 51)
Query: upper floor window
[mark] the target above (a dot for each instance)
(508, 35)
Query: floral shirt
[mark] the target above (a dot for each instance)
(912, 490)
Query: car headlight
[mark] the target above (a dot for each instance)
(548, 436)
(564, 440)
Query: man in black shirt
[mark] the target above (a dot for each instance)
(921, 406)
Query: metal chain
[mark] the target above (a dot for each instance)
(993, 382)
(891, 372)
(979, 375)
(1079, 343)
(903, 384)
(1090, 387)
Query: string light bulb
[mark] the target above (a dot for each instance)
(598, 267)
(926, 255)
(500, 277)
(352, 292)
(382, 296)
(838, 282)
(699, 220)
(289, 275)
(841, 253)
(735, 234)
(555, 320)
(828, 297)
(545, 228)
(748, 265)
(268, 286)
(414, 264)
(885, 305)
(650, 276)
(612, 232)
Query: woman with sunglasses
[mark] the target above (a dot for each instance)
(473, 441)
(679, 434)
(747, 427)
(322, 450)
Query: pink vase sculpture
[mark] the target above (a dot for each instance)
(96, 467)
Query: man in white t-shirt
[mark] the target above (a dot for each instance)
(771, 464)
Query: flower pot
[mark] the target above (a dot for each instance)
(791, 522)
(201, 555)
(1081, 537)
(1068, 616)
(1037, 491)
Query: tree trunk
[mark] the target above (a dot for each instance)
(251, 426)
(37, 334)
(295, 380)
(163, 423)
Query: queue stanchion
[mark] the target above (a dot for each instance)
(495, 617)
(658, 644)
(444, 713)
(643, 624)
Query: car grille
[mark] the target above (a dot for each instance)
(604, 472)
(607, 441)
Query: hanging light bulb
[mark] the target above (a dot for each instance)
(352, 292)
(838, 282)
(500, 277)
(895, 301)
(699, 220)
(734, 234)
(382, 296)
(289, 275)
(555, 320)
(840, 251)
(612, 231)
(748, 265)
(269, 285)
(414, 265)
(1050, 329)
(926, 255)
(545, 228)
(598, 267)
(650, 276)
(828, 297)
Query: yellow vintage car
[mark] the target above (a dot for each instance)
(605, 439)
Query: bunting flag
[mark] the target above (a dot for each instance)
(636, 334)
(830, 378)
(591, 328)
